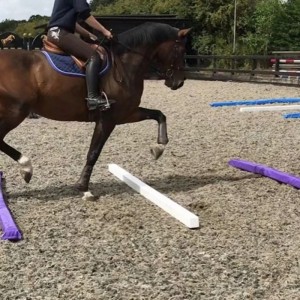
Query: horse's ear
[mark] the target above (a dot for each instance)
(184, 32)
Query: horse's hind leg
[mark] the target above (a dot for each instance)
(6, 125)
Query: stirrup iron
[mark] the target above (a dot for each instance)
(101, 102)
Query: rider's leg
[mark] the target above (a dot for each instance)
(73, 45)
(94, 100)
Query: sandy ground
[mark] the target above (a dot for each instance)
(122, 246)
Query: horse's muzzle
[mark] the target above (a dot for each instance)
(174, 84)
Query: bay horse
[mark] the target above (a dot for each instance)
(29, 84)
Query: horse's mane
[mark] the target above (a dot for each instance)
(148, 33)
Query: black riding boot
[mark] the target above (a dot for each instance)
(94, 99)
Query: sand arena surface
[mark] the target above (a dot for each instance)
(122, 246)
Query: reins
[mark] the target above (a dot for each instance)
(169, 71)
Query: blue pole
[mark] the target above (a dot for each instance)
(255, 102)
(292, 115)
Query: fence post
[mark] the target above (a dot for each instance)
(233, 64)
(254, 66)
(214, 61)
(277, 67)
(26, 41)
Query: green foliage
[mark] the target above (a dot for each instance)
(125, 7)
(8, 26)
(24, 27)
(131, 7)
(261, 25)
(97, 3)
(287, 33)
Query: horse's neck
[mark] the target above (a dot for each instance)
(137, 61)
(131, 67)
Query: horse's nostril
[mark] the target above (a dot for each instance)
(180, 85)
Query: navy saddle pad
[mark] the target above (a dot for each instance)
(65, 65)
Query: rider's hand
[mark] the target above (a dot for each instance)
(108, 34)
(93, 37)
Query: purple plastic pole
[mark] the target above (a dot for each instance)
(277, 175)
(9, 227)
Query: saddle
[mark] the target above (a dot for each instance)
(52, 48)
(106, 56)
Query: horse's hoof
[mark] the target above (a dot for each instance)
(157, 151)
(88, 196)
(26, 168)
(26, 176)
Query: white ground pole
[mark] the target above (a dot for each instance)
(168, 205)
(270, 108)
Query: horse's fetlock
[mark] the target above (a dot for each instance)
(81, 186)
(24, 161)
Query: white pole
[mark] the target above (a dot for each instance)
(165, 203)
(270, 108)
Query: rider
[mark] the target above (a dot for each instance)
(61, 28)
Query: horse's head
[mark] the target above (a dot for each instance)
(155, 45)
(170, 57)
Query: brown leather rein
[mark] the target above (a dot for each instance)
(169, 72)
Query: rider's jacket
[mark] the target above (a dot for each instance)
(66, 13)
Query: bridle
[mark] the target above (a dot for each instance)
(173, 67)
(168, 73)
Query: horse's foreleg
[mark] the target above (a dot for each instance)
(24, 162)
(101, 133)
(142, 114)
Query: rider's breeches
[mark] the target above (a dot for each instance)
(70, 43)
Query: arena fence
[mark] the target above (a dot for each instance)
(11, 40)
(278, 68)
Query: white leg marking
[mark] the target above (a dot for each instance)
(88, 196)
(26, 167)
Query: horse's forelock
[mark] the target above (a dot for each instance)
(148, 33)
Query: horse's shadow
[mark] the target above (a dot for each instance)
(177, 183)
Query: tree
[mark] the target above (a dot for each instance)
(29, 27)
(123, 7)
(8, 25)
(286, 30)
(215, 20)
(98, 3)
(262, 27)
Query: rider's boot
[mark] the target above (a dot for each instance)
(94, 99)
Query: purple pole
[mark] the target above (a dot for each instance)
(277, 175)
(9, 227)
